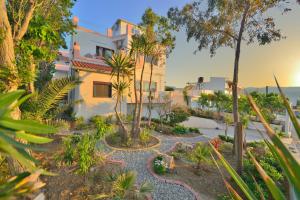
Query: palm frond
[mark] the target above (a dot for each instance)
(52, 94)
(124, 183)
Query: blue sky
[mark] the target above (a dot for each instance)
(258, 63)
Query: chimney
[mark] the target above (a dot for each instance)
(76, 50)
(109, 32)
(129, 29)
(75, 21)
(200, 79)
(267, 90)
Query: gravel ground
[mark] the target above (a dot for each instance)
(137, 161)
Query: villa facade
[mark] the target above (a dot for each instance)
(87, 50)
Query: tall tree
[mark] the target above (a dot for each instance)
(31, 35)
(158, 32)
(223, 23)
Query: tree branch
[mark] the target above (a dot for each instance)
(24, 26)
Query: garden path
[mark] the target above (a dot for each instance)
(137, 161)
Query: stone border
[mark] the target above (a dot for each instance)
(132, 150)
(176, 182)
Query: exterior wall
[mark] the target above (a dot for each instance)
(93, 105)
(215, 84)
(88, 41)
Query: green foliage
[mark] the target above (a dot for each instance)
(207, 22)
(159, 165)
(177, 115)
(226, 139)
(86, 152)
(49, 98)
(27, 130)
(145, 136)
(178, 129)
(123, 187)
(102, 126)
(194, 130)
(45, 35)
(201, 154)
(69, 151)
(270, 167)
(80, 149)
(11, 132)
(20, 185)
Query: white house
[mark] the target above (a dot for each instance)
(88, 48)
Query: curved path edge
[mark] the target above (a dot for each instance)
(176, 182)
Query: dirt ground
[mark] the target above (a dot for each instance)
(68, 184)
(207, 180)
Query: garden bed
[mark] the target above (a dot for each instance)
(204, 180)
(68, 184)
(115, 141)
(178, 131)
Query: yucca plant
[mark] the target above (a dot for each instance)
(11, 131)
(122, 66)
(288, 163)
(21, 184)
(48, 98)
(16, 138)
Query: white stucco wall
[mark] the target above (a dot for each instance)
(89, 40)
(215, 84)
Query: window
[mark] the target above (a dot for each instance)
(149, 59)
(102, 89)
(104, 52)
(146, 86)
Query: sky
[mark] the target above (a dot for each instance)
(258, 64)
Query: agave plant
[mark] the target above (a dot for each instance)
(288, 163)
(50, 96)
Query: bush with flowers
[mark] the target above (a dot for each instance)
(159, 165)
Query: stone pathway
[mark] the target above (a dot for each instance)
(137, 161)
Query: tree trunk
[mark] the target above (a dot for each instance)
(237, 132)
(240, 142)
(123, 130)
(135, 99)
(7, 52)
(150, 95)
(140, 105)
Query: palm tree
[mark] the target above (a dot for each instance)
(48, 98)
(122, 66)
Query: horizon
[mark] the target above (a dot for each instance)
(201, 64)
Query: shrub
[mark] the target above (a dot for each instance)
(145, 136)
(200, 154)
(86, 150)
(194, 130)
(159, 165)
(102, 127)
(178, 129)
(271, 167)
(178, 114)
(80, 149)
(69, 151)
(80, 124)
(226, 139)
